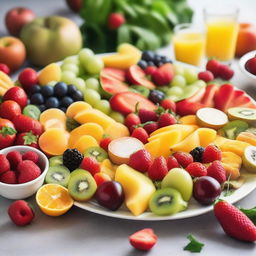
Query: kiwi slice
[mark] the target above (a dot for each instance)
(166, 201)
(249, 159)
(97, 152)
(141, 90)
(244, 114)
(233, 128)
(56, 161)
(32, 111)
(81, 185)
(58, 175)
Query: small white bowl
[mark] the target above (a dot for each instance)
(24, 190)
(242, 62)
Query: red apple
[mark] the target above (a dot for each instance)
(246, 40)
(74, 5)
(12, 52)
(16, 18)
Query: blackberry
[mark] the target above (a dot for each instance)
(72, 159)
(197, 154)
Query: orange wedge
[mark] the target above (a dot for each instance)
(53, 199)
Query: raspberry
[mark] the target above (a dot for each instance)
(14, 158)
(91, 165)
(31, 155)
(197, 154)
(196, 169)
(8, 177)
(28, 171)
(140, 160)
(183, 158)
(5, 165)
(211, 153)
(217, 171)
(172, 163)
(158, 169)
(72, 159)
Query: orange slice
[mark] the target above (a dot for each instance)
(53, 199)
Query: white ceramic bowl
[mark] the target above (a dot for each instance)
(24, 190)
(242, 62)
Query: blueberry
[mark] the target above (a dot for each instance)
(37, 98)
(42, 107)
(47, 91)
(151, 63)
(66, 101)
(52, 102)
(157, 59)
(77, 96)
(60, 89)
(35, 88)
(143, 64)
(156, 96)
(71, 89)
(148, 56)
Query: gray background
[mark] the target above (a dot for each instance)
(82, 233)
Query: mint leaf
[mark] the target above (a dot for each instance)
(193, 245)
(250, 213)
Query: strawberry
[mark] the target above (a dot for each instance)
(20, 213)
(4, 68)
(223, 97)
(158, 169)
(26, 124)
(143, 239)
(91, 165)
(100, 178)
(208, 96)
(131, 121)
(7, 133)
(186, 107)
(16, 94)
(141, 134)
(196, 169)
(150, 126)
(27, 139)
(213, 66)
(166, 119)
(172, 163)
(183, 158)
(147, 115)
(206, 76)
(234, 222)
(104, 143)
(28, 78)
(31, 155)
(217, 171)
(210, 154)
(28, 171)
(115, 20)
(9, 109)
(8, 177)
(14, 157)
(168, 104)
(5, 165)
(150, 70)
(140, 160)
(164, 74)
(225, 72)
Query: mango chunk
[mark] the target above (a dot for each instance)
(117, 130)
(51, 116)
(51, 72)
(232, 164)
(77, 107)
(108, 168)
(189, 119)
(247, 137)
(84, 142)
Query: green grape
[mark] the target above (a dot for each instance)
(199, 84)
(190, 90)
(190, 75)
(163, 89)
(178, 69)
(103, 106)
(71, 60)
(178, 80)
(81, 71)
(70, 67)
(92, 83)
(67, 77)
(92, 97)
(93, 65)
(173, 97)
(175, 90)
(117, 117)
(79, 84)
(84, 54)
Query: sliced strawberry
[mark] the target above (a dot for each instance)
(115, 73)
(210, 91)
(186, 107)
(223, 97)
(125, 102)
(136, 75)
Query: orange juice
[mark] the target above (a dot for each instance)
(189, 46)
(221, 38)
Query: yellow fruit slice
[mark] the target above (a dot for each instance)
(84, 142)
(52, 113)
(153, 147)
(232, 164)
(2, 91)
(117, 130)
(108, 168)
(247, 137)
(4, 77)
(189, 119)
(206, 136)
(53, 199)
(51, 72)
(54, 123)
(76, 108)
(5, 85)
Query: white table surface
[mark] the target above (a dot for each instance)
(82, 233)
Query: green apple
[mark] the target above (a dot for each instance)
(51, 39)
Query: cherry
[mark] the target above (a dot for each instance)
(250, 65)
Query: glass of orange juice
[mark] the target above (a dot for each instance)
(221, 32)
(189, 44)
